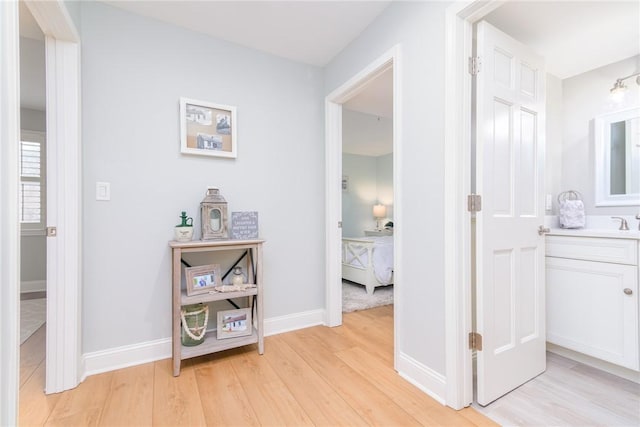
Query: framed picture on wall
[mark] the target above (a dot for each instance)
(208, 129)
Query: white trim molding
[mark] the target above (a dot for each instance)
(125, 356)
(457, 228)
(423, 377)
(9, 225)
(63, 348)
(63, 211)
(293, 322)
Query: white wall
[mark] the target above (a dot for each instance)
(554, 121)
(133, 72)
(384, 181)
(370, 182)
(32, 74)
(584, 97)
(419, 28)
(366, 134)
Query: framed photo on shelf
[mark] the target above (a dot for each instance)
(208, 129)
(202, 279)
(234, 323)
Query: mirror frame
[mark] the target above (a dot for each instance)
(602, 135)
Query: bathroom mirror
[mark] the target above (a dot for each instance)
(617, 155)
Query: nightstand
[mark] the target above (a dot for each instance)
(372, 233)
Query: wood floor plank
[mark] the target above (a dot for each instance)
(314, 394)
(423, 408)
(83, 405)
(223, 398)
(176, 400)
(269, 397)
(369, 402)
(317, 376)
(35, 406)
(130, 399)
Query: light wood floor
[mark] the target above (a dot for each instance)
(315, 376)
(569, 393)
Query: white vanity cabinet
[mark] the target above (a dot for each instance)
(592, 297)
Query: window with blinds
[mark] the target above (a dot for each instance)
(32, 180)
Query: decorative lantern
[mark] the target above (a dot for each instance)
(214, 215)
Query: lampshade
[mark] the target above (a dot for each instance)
(379, 211)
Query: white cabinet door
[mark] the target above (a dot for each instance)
(592, 308)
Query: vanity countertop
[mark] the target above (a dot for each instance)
(595, 232)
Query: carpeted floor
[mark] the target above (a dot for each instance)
(32, 316)
(354, 297)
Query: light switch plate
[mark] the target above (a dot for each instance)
(549, 202)
(103, 191)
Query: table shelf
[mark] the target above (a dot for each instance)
(180, 298)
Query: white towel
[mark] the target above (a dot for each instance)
(571, 214)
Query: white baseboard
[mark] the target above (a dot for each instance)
(33, 286)
(619, 371)
(136, 354)
(111, 359)
(293, 322)
(423, 377)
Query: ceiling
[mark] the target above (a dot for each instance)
(573, 36)
(311, 32)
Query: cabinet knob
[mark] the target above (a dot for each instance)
(628, 291)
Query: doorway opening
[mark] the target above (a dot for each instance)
(32, 199)
(376, 175)
(459, 112)
(367, 196)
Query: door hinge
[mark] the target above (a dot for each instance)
(474, 65)
(475, 341)
(474, 203)
(52, 231)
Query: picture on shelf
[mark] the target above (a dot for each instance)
(202, 279)
(234, 323)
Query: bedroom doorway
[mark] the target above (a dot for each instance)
(367, 196)
(362, 187)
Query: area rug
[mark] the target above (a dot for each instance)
(33, 313)
(354, 297)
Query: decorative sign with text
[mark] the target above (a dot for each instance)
(244, 225)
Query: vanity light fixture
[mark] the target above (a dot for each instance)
(618, 89)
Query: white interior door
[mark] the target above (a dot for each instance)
(510, 299)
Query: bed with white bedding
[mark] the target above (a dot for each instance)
(368, 261)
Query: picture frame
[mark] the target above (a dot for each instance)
(234, 323)
(202, 279)
(208, 129)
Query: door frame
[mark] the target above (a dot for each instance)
(333, 192)
(459, 20)
(62, 46)
(63, 344)
(9, 225)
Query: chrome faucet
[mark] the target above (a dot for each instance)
(623, 223)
